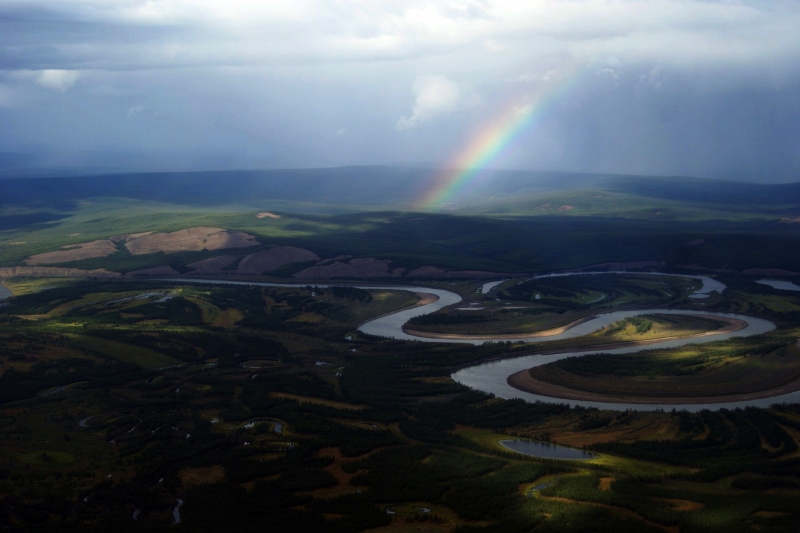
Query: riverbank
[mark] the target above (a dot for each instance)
(524, 382)
(503, 336)
(732, 325)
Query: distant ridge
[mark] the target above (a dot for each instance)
(366, 187)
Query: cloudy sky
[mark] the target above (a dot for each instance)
(691, 87)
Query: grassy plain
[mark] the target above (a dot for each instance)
(527, 241)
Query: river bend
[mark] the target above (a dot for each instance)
(492, 377)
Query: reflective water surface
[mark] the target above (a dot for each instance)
(486, 287)
(782, 285)
(545, 450)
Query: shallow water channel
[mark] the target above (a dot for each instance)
(486, 287)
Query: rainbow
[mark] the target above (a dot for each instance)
(485, 147)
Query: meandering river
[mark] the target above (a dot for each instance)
(492, 377)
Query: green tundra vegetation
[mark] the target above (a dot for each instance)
(363, 212)
(128, 404)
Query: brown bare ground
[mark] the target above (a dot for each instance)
(129, 236)
(317, 401)
(163, 270)
(227, 318)
(212, 265)
(190, 240)
(605, 483)
(355, 268)
(428, 271)
(425, 298)
(195, 476)
(769, 514)
(681, 505)
(329, 260)
(267, 214)
(619, 510)
(75, 252)
(267, 260)
(565, 208)
(335, 469)
(525, 382)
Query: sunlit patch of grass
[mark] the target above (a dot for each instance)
(492, 440)
(130, 300)
(214, 316)
(636, 467)
(23, 285)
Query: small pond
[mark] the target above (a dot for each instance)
(4, 292)
(782, 285)
(545, 450)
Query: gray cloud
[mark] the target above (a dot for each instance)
(435, 95)
(666, 86)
